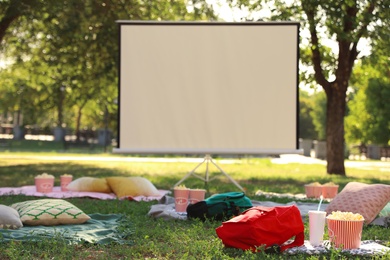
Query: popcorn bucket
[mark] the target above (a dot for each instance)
(65, 180)
(197, 195)
(313, 191)
(330, 191)
(345, 234)
(44, 185)
(181, 199)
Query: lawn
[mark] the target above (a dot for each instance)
(157, 238)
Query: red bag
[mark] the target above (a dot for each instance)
(268, 226)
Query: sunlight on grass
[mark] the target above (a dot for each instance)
(252, 173)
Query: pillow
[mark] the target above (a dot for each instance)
(9, 218)
(132, 186)
(89, 184)
(385, 212)
(365, 199)
(49, 212)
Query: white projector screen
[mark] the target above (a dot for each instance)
(208, 88)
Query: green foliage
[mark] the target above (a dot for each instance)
(306, 126)
(378, 106)
(319, 114)
(65, 55)
(369, 116)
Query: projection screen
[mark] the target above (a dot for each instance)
(208, 88)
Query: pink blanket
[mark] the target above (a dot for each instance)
(57, 193)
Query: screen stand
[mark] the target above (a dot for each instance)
(207, 159)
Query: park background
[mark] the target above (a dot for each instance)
(59, 68)
(58, 81)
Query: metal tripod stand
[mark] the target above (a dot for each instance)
(208, 159)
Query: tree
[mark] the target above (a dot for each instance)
(70, 48)
(346, 23)
(369, 119)
(12, 10)
(306, 126)
(318, 114)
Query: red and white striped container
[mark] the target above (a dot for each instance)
(345, 234)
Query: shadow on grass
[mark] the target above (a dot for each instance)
(165, 175)
(20, 175)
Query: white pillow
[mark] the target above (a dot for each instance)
(9, 218)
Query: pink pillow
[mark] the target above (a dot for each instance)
(366, 199)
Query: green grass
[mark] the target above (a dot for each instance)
(48, 147)
(176, 239)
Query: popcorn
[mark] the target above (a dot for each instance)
(181, 187)
(44, 175)
(314, 184)
(338, 215)
(330, 184)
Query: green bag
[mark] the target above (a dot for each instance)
(220, 206)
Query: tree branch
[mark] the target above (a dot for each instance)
(347, 52)
(5, 23)
(316, 54)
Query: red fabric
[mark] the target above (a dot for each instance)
(266, 226)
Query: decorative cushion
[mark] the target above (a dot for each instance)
(365, 199)
(89, 184)
(49, 212)
(132, 186)
(9, 218)
(385, 212)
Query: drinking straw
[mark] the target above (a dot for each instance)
(319, 205)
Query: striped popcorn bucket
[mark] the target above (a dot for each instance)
(345, 234)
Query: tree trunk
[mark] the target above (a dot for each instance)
(78, 122)
(336, 103)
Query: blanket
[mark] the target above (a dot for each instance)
(367, 248)
(166, 209)
(58, 194)
(100, 229)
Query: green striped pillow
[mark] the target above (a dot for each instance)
(49, 212)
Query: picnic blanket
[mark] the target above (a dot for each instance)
(367, 248)
(58, 194)
(100, 229)
(166, 208)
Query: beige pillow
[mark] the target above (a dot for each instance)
(9, 218)
(89, 184)
(132, 187)
(49, 212)
(365, 199)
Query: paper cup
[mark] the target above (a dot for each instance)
(345, 234)
(44, 185)
(330, 192)
(65, 180)
(196, 195)
(313, 191)
(181, 199)
(316, 227)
